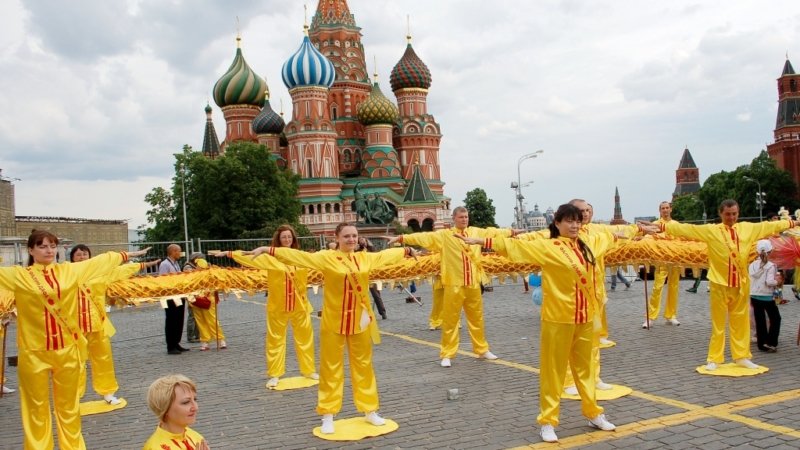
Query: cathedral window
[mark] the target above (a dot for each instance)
(309, 174)
(337, 208)
(334, 113)
(793, 85)
(337, 43)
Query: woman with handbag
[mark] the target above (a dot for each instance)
(204, 308)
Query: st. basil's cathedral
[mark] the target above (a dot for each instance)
(345, 139)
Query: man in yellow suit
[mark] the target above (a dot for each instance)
(729, 245)
(461, 275)
(673, 277)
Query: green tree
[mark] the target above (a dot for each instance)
(480, 207)
(243, 190)
(741, 186)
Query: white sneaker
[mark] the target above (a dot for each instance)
(488, 355)
(8, 390)
(111, 399)
(571, 390)
(548, 433)
(605, 341)
(673, 321)
(746, 363)
(647, 324)
(445, 362)
(601, 423)
(711, 366)
(603, 386)
(375, 419)
(272, 382)
(313, 376)
(327, 424)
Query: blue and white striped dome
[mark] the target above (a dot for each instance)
(308, 67)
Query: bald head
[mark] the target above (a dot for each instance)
(174, 252)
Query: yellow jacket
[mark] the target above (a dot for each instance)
(92, 299)
(287, 285)
(57, 284)
(568, 279)
(162, 439)
(460, 262)
(345, 296)
(728, 247)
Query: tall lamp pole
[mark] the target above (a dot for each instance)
(519, 186)
(759, 198)
(183, 196)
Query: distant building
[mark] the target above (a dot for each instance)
(687, 177)
(617, 220)
(786, 148)
(534, 220)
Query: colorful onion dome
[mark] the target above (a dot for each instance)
(410, 71)
(307, 67)
(240, 85)
(377, 109)
(268, 121)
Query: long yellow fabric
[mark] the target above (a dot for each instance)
(48, 339)
(287, 303)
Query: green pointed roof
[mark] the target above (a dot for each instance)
(418, 189)
(210, 139)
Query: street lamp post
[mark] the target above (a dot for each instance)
(760, 195)
(519, 211)
(183, 196)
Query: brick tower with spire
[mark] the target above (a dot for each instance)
(687, 177)
(617, 220)
(786, 148)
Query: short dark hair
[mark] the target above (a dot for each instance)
(81, 247)
(727, 203)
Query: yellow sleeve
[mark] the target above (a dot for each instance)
(98, 266)
(688, 231)
(432, 240)
(299, 257)
(492, 232)
(386, 257)
(263, 261)
(761, 230)
(534, 235)
(8, 278)
(518, 251)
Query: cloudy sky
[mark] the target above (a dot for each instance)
(97, 95)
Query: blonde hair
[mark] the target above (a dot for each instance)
(161, 393)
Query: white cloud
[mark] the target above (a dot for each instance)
(612, 91)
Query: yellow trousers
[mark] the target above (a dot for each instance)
(207, 323)
(331, 372)
(731, 304)
(560, 344)
(601, 314)
(673, 277)
(569, 380)
(35, 370)
(469, 299)
(104, 380)
(277, 327)
(435, 319)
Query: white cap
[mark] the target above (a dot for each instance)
(764, 246)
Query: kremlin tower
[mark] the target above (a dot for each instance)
(786, 148)
(344, 134)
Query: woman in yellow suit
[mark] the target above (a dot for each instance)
(569, 304)
(207, 324)
(97, 327)
(287, 303)
(347, 320)
(49, 338)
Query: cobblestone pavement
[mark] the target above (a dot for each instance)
(671, 406)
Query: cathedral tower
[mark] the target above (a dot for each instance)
(786, 148)
(239, 92)
(687, 177)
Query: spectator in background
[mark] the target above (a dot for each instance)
(365, 245)
(174, 313)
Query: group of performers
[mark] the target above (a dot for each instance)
(570, 254)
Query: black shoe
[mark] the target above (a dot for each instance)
(383, 316)
(182, 349)
(692, 290)
(174, 351)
